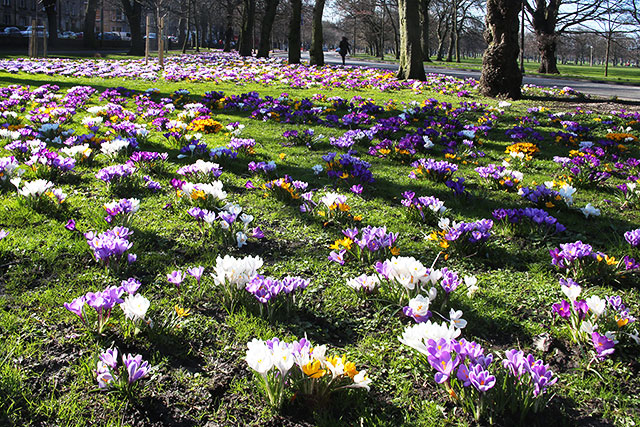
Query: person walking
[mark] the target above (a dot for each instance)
(344, 47)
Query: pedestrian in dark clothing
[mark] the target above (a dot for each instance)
(344, 48)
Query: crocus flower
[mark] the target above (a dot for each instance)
(136, 367)
(175, 277)
(481, 379)
(70, 225)
(76, 306)
(562, 309)
(196, 273)
(603, 345)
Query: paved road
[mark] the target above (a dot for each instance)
(604, 90)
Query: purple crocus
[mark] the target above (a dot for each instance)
(603, 345)
(258, 233)
(70, 225)
(444, 365)
(130, 285)
(110, 357)
(196, 273)
(337, 256)
(136, 367)
(562, 309)
(481, 379)
(76, 306)
(175, 277)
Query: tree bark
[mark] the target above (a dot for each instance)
(52, 22)
(133, 11)
(295, 40)
(270, 9)
(248, 22)
(424, 25)
(411, 66)
(547, 48)
(501, 76)
(89, 36)
(316, 55)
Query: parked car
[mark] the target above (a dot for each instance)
(108, 36)
(124, 36)
(29, 30)
(68, 35)
(12, 32)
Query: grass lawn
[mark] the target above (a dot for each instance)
(629, 75)
(200, 328)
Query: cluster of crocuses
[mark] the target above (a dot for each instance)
(633, 237)
(110, 247)
(348, 168)
(472, 379)
(579, 260)
(630, 194)
(230, 225)
(308, 369)
(9, 168)
(583, 168)
(204, 195)
(306, 138)
(594, 320)
(286, 188)
(528, 220)
(118, 176)
(500, 177)
(364, 246)
(201, 171)
(351, 138)
(463, 237)
(427, 209)
(262, 167)
(266, 291)
(332, 207)
(38, 193)
(545, 196)
(134, 306)
(232, 275)
(121, 211)
(109, 375)
(436, 170)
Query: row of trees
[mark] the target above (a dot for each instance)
(415, 28)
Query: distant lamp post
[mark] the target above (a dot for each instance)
(591, 55)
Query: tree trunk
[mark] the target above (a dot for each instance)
(501, 76)
(606, 55)
(316, 55)
(89, 36)
(547, 49)
(52, 22)
(246, 34)
(411, 66)
(133, 11)
(295, 40)
(396, 38)
(424, 25)
(270, 9)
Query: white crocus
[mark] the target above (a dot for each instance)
(361, 380)
(135, 307)
(472, 288)
(455, 317)
(590, 210)
(259, 356)
(572, 292)
(282, 357)
(597, 305)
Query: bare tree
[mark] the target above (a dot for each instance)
(410, 46)
(316, 54)
(133, 12)
(424, 26)
(52, 22)
(501, 76)
(270, 9)
(89, 36)
(550, 18)
(248, 22)
(295, 39)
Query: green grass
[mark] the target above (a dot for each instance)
(617, 74)
(47, 357)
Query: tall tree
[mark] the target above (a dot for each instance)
(52, 22)
(133, 12)
(410, 41)
(295, 40)
(270, 9)
(248, 22)
(424, 26)
(501, 76)
(550, 18)
(89, 36)
(316, 55)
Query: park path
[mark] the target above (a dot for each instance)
(603, 90)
